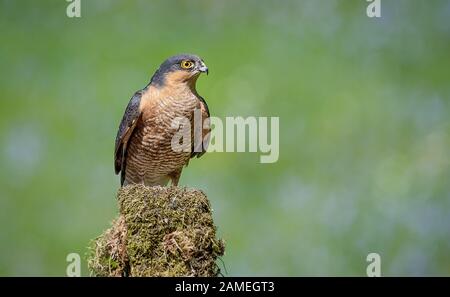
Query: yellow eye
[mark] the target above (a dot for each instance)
(187, 64)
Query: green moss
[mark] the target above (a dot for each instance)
(161, 231)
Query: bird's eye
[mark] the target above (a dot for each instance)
(187, 64)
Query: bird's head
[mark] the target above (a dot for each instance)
(179, 69)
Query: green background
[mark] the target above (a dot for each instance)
(364, 108)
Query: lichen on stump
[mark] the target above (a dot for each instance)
(161, 231)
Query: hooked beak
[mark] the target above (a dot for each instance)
(203, 68)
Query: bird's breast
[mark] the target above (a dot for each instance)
(151, 155)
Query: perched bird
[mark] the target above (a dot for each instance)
(143, 150)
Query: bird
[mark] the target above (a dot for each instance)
(143, 147)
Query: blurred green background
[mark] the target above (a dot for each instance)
(364, 107)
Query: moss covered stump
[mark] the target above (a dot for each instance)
(161, 231)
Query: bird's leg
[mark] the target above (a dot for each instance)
(175, 177)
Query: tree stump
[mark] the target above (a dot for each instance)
(160, 231)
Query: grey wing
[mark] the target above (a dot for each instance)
(198, 149)
(127, 125)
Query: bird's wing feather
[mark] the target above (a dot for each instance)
(200, 149)
(127, 125)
